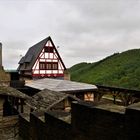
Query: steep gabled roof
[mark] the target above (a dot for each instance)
(21, 60)
(33, 53)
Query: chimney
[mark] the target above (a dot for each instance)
(0, 55)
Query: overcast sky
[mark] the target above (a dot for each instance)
(84, 30)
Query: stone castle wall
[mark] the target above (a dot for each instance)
(9, 128)
(87, 123)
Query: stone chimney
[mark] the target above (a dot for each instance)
(0, 55)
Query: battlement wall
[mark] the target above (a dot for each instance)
(88, 122)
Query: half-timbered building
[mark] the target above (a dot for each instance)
(42, 60)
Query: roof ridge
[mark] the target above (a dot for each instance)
(41, 41)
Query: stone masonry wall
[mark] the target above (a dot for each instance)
(98, 124)
(132, 123)
(24, 128)
(87, 123)
(9, 128)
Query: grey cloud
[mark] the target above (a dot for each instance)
(85, 30)
(12, 52)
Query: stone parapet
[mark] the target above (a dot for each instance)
(88, 122)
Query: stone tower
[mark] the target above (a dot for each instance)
(4, 77)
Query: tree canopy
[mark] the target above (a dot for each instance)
(119, 69)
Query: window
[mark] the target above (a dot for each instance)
(48, 49)
(42, 66)
(55, 66)
(48, 65)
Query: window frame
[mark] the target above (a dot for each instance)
(48, 49)
(55, 65)
(48, 65)
(41, 67)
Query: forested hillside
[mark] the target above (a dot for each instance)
(119, 69)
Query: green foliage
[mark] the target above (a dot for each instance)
(119, 69)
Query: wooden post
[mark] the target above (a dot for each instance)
(114, 98)
(17, 104)
(22, 102)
